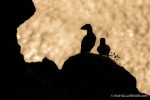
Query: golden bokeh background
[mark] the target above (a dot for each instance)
(54, 32)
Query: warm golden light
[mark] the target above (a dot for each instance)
(54, 32)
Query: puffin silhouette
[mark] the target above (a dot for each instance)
(103, 49)
(88, 41)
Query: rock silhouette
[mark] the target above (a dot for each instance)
(19, 78)
(88, 41)
(103, 49)
(83, 77)
(15, 13)
(91, 77)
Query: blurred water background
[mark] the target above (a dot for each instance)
(54, 32)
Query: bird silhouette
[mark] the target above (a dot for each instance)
(103, 49)
(88, 41)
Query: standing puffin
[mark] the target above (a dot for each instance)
(88, 41)
(103, 49)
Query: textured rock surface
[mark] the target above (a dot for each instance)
(54, 32)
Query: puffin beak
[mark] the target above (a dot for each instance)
(82, 28)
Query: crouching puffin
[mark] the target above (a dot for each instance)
(103, 49)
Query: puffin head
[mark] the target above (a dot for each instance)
(102, 40)
(86, 27)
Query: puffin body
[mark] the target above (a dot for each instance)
(88, 41)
